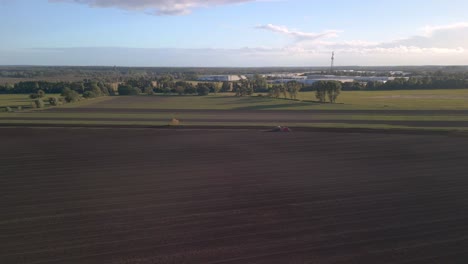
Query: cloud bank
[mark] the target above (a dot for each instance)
(435, 45)
(158, 7)
(298, 35)
(443, 39)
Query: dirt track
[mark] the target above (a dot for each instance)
(259, 120)
(154, 196)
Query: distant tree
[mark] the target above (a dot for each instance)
(216, 88)
(70, 95)
(226, 87)
(138, 90)
(40, 93)
(66, 91)
(203, 89)
(149, 90)
(260, 83)
(166, 90)
(330, 89)
(39, 103)
(180, 90)
(166, 81)
(275, 91)
(190, 76)
(243, 88)
(125, 90)
(190, 89)
(110, 88)
(77, 87)
(54, 101)
(320, 91)
(353, 86)
(293, 89)
(95, 89)
(103, 89)
(373, 85)
(89, 94)
(333, 91)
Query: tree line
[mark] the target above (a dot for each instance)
(412, 83)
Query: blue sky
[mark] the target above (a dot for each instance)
(232, 32)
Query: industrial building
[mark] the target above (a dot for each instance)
(222, 78)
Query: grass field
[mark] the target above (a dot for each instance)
(369, 100)
(15, 100)
(23, 100)
(385, 100)
(404, 100)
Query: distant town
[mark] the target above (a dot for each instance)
(305, 78)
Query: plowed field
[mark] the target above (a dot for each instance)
(244, 196)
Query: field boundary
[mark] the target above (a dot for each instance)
(406, 131)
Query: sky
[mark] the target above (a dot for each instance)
(233, 33)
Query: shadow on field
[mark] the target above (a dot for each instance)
(220, 97)
(271, 106)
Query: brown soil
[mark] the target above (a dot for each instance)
(196, 196)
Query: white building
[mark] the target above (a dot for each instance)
(221, 78)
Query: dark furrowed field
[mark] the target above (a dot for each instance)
(196, 196)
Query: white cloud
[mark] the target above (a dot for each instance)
(430, 30)
(437, 40)
(158, 7)
(299, 35)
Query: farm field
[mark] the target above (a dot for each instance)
(241, 196)
(23, 100)
(381, 100)
(223, 110)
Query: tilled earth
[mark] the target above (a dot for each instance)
(231, 196)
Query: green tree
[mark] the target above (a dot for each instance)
(275, 91)
(125, 90)
(190, 89)
(70, 95)
(203, 89)
(243, 88)
(260, 83)
(226, 87)
(54, 101)
(333, 91)
(40, 93)
(78, 87)
(89, 94)
(293, 89)
(95, 89)
(166, 81)
(320, 91)
(103, 88)
(180, 90)
(39, 103)
(216, 87)
(330, 89)
(149, 90)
